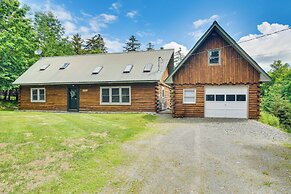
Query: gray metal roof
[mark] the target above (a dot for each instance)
(81, 67)
(264, 77)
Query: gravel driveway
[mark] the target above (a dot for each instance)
(207, 156)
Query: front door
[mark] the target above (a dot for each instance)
(73, 98)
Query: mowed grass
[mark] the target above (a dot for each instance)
(63, 152)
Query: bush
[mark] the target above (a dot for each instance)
(269, 119)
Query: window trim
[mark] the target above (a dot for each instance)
(38, 95)
(219, 57)
(110, 95)
(189, 89)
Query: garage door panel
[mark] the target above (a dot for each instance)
(233, 105)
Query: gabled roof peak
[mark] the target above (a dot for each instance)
(215, 26)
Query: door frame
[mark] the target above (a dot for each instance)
(68, 98)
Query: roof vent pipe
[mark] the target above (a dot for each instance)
(160, 61)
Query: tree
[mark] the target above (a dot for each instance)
(50, 35)
(132, 44)
(77, 43)
(17, 42)
(95, 45)
(276, 95)
(150, 46)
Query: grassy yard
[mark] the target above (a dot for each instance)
(62, 152)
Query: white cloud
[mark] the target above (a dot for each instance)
(113, 45)
(115, 6)
(202, 22)
(101, 21)
(200, 26)
(157, 41)
(267, 49)
(143, 34)
(132, 14)
(176, 46)
(70, 28)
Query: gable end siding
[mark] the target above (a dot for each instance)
(234, 69)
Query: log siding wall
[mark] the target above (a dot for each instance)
(142, 99)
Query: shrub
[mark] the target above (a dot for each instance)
(269, 119)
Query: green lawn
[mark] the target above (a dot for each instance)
(62, 152)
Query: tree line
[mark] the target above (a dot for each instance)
(21, 36)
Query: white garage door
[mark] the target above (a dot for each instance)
(226, 101)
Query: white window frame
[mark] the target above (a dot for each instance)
(192, 90)
(38, 95)
(219, 57)
(110, 95)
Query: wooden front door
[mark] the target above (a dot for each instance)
(73, 98)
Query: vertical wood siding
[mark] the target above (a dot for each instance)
(234, 69)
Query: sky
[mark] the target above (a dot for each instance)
(177, 24)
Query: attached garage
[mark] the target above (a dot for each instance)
(226, 101)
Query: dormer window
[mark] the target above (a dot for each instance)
(148, 67)
(127, 68)
(214, 57)
(44, 67)
(64, 66)
(97, 70)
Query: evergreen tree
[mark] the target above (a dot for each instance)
(132, 44)
(150, 46)
(77, 43)
(50, 35)
(95, 45)
(17, 42)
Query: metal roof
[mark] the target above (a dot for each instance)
(264, 77)
(81, 67)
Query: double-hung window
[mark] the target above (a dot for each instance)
(115, 95)
(214, 57)
(37, 94)
(189, 96)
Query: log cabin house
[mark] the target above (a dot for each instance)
(124, 82)
(217, 78)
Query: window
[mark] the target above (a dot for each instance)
(125, 96)
(189, 96)
(230, 97)
(44, 67)
(241, 97)
(105, 95)
(148, 67)
(219, 97)
(97, 70)
(115, 95)
(127, 68)
(37, 95)
(64, 66)
(214, 57)
(210, 97)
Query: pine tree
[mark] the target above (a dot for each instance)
(77, 43)
(132, 44)
(95, 45)
(150, 46)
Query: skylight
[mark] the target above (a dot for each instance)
(65, 65)
(97, 70)
(127, 68)
(44, 67)
(148, 67)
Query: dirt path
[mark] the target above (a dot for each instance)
(207, 156)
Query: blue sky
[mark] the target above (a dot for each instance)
(175, 24)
